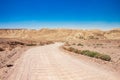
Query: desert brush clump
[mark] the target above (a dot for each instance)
(67, 44)
(73, 44)
(31, 44)
(105, 57)
(79, 44)
(71, 49)
(99, 44)
(96, 55)
(90, 53)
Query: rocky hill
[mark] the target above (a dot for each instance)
(58, 34)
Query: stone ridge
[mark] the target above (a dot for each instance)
(59, 34)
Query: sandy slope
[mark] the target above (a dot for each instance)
(58, 34)
(49, 63)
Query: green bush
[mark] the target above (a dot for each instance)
(96, 55)
(90, 53)
(75, 50)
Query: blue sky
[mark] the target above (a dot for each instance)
(59, 12)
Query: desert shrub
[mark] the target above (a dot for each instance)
(89, 53)
(49, 42)
(99, 44)
(75, 50)
(80, 44)
(105, 57)
(31, 44)
(91, 37)
(71, 49)
(79, 51)
(81, 37)
(96, 55)
(1, 49)
(67, 44)
(73, 44)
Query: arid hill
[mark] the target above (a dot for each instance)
(13, 42)
(58, 34)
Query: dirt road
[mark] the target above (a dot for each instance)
(49, 63)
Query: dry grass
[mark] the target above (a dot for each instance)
(89, 53)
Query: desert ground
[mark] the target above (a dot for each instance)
(40, 55)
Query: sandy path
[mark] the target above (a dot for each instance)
(49, 63)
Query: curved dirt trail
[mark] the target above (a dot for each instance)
(49, 63)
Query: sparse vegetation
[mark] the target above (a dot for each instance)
(71, 49)
(99, 44)
(90, 53)
(73, 44)
(67, 44)
(96, 55)
(92, 37)
(81, 37)
(80, 44)
(105, 57)
(31, 44)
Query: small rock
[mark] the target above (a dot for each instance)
(9, 65)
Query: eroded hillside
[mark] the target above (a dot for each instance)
(58, 34)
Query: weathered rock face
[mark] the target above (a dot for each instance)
(113, 34)
(58, 34)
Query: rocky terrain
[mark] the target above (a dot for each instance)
(58, 34)
(106, 47)
(13, 42)
(11, 49)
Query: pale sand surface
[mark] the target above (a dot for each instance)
(50, 63)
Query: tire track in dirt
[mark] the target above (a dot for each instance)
(49, 63)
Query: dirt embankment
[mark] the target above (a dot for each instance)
(106, 47)
(10, 51)
(50, 63)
